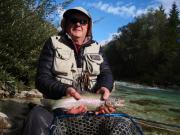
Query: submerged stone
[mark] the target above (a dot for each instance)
(146, 102)
(4, 121)
(174, 110)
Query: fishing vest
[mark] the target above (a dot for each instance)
(65, 67)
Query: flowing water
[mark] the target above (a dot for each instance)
(158, 109)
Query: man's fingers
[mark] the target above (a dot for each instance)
(105, 93)
(106, 110)
(111, 109)
(77, 110)
(72, 92)
(82, 108)
(71, 111)
(100, 112)
(76, 95)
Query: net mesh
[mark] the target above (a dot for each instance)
(93, 125)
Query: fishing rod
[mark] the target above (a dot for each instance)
(144, 122)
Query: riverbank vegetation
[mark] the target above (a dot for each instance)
(147, 50)
(25, 25)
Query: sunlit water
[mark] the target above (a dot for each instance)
(151, 104)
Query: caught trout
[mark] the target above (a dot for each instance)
(92, 101)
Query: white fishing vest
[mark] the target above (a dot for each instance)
(65, 66)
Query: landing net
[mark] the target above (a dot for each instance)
(108, 124)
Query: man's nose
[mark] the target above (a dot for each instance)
(78, 24)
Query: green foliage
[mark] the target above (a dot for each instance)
(174, 16)
(146, 50)
(23, 30)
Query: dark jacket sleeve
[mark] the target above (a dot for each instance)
(105, 78)
(46, 81)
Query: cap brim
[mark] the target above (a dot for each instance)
(72, 11)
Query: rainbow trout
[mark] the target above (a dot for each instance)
(92, 101)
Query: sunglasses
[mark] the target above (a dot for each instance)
(74, 20)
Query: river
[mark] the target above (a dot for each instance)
(158, 109)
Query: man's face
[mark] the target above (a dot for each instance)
(77, 26)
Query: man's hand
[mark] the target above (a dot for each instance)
(73, 93)
(75, 110)
(105, 93)
(105, 108)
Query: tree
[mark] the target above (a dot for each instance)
(146, 49)
(174, 16)
(24, 27)
(174, 22)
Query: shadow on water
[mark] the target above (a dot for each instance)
(147, 102)
(17, 112)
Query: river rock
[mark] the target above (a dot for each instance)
(1, 94)
(4, 94)
(34, 93)
(4, 121)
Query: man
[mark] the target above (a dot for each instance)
(70, 63)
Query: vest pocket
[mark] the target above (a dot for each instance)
(62, 61)
(93, 62)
